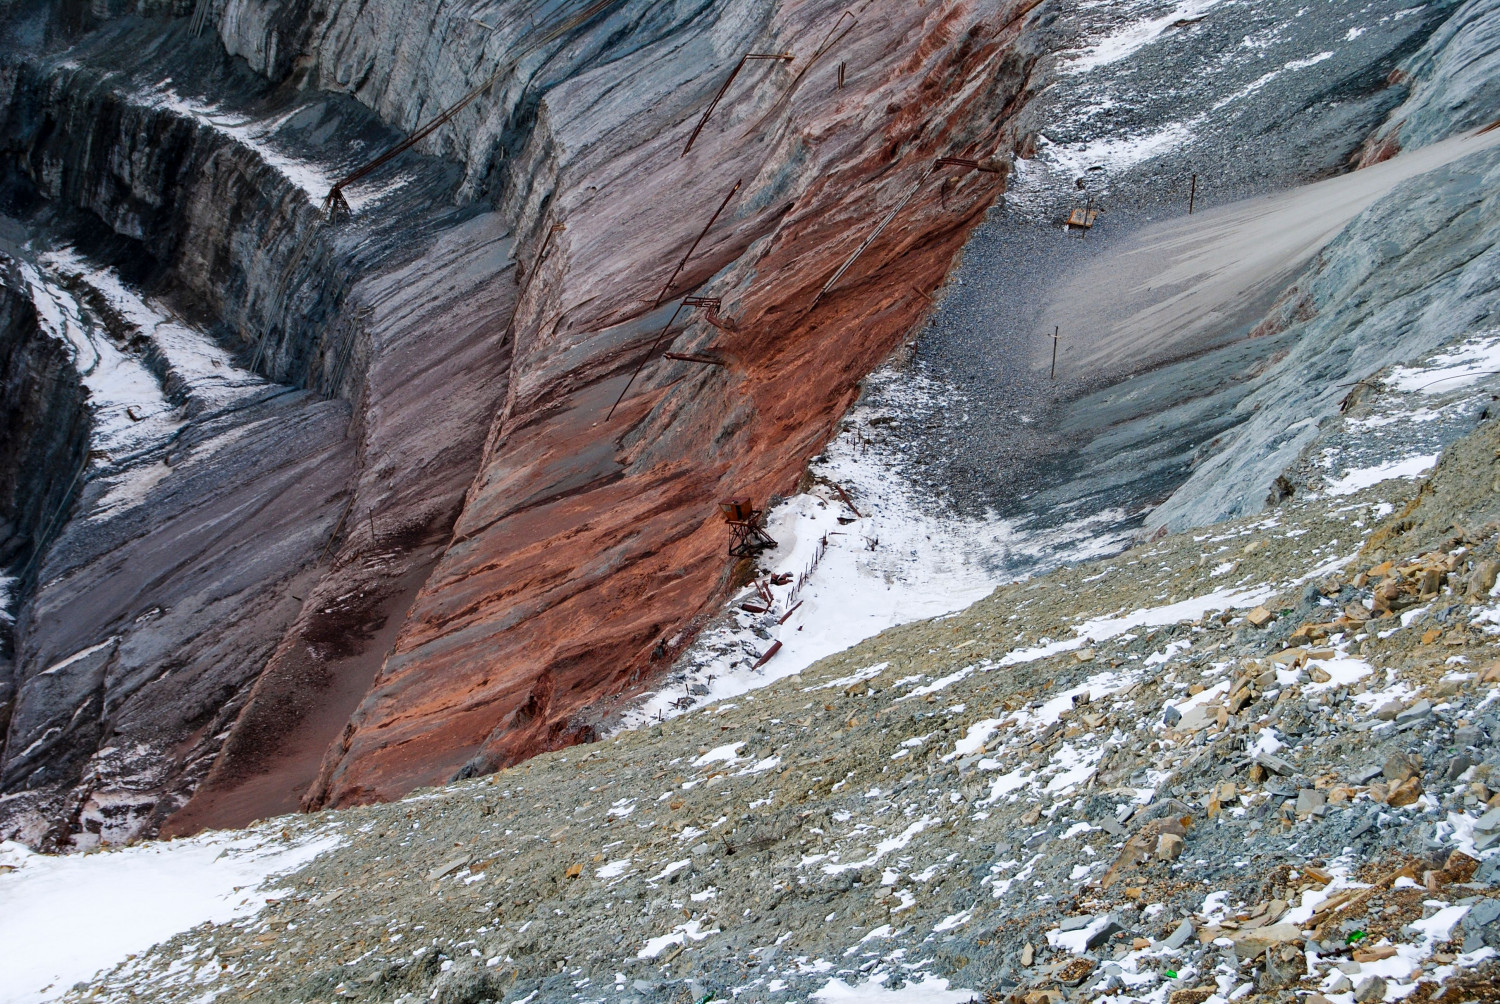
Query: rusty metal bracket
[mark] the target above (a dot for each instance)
(711, 314)
(723, 89)
(972, 165)
(693, 357)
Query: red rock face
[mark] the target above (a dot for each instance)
(586, 539)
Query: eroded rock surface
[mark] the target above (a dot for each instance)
(425, 545)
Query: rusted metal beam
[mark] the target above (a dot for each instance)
(663, 295)
(972, 165)
(873, 235)
(644, 359)
(541, 256)
(693, 357)
(775, 647)
(724, 88)
(834, 36)
(703, 233)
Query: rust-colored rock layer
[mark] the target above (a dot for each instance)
(585, 540)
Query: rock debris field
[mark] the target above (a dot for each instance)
(1251, 763)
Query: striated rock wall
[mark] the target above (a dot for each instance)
(46, 438)
(327, 607)
(160, 157)
(1454, 84)
(586, 541)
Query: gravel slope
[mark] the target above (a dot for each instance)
(1197, 769)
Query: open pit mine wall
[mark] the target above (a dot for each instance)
(46, 427)
(428, 548)
(587, 539)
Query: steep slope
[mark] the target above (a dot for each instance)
(587, 540)
(469, 554)
(1251, 764)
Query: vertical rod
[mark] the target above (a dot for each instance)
(680, 265)
(1053, 374)
(1192, 195)
(644, 359)
(841, 76)
(713, 104)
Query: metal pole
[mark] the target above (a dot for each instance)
(680, 265)
(1053, 374)
(1192, 195)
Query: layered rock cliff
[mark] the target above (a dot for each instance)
(376, 523)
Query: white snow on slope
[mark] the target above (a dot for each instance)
(893, 563)
(1451, 369)
(259, 135)
(927, 990)
(127, 403)
(1364, 477)
(64, 918)
(1136, 36)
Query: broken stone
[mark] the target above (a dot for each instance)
(1482, 579)
(1368, 774)
(1101, 936)
(1310, 800)
(1250, 944)
(1374, 954)
(1458, 765)
(1284, 966)
(1388, 711)
(1084, 655)
(1369, 989)
(1194, 995)
(1275, 764)
(447, 868)
(1028, 953)
(1179, 937)
(1405, 793)
(1259, 617)
(1170, 716)
(1168, 847)
(1197, 719)
(1416, 713)
(1398, 767)
(1482, 914)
